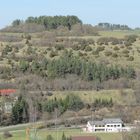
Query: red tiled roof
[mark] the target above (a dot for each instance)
(7, 91)
(84, 138)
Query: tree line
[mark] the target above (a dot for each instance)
(21, 112)
(50, 22)
(109, 26)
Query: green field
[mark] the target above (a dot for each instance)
(57, 135)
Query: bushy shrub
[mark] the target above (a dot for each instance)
(126, 55)
(108, 53)
(6, 50)
(88, 48)
(107, 40)
(129, 48)
(131, 58)
(82, 47)
(125, 51)
(59, 47)
(91, 41)
(116, 48)
(95, 52)
(127, 44)
(138, 50)
(23, 65)
(114, 55)
(76, 47)
(53, 53)
(101, 48)
(131, 38)
(7, 135)
(80, 53)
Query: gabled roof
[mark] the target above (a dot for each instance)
(106, 121)
(96, 123)
(112, 120)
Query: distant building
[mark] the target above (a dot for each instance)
(7, 92)
(83, 138)
(105, 125)
(8, 98)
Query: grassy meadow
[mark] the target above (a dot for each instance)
(57, 135)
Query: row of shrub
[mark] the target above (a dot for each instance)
(127, 40)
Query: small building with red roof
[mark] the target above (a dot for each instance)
(7, 99)
(83, 138)
(7, 92)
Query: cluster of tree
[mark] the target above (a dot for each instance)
(108, 26)
(59, 25)
(70, 102)
(98, 103)
(20, 113)
(21, 108)
(68, 64)
(51, 22)
(36, 67)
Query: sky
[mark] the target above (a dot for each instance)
(89, 11)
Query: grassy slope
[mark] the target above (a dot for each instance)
(121, 97)
(101, 57)
(89, 96)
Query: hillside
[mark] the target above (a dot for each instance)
(74, 68)
(30, 53)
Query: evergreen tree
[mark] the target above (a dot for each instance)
(20, 111)
(64, 137)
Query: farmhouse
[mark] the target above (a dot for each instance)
(105, 125)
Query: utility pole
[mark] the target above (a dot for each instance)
(34, 122)
(56, 123)
(92, 115)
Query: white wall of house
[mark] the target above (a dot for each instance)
(110, 127)
(113, 127)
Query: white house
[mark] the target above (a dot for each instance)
(105, 125)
